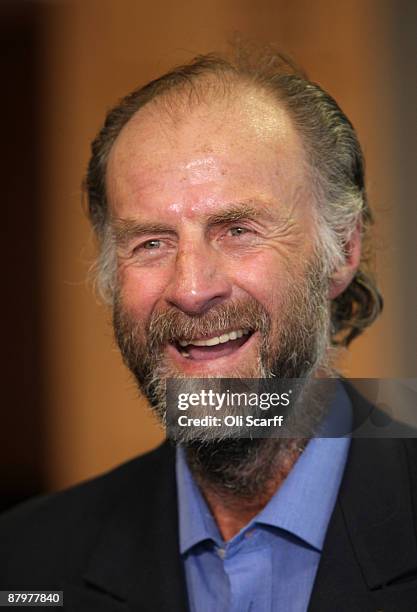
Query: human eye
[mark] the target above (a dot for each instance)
(151, 250)
(150, 245)
(146, 246)
(240, 235)
(238, 231)
(237, 236)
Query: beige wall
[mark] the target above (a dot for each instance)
(94, 52)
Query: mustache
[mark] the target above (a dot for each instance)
(171, 324)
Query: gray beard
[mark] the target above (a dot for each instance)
(241, 467)
(238, 467)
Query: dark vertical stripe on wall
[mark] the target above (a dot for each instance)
(21, 364)
(404, 31)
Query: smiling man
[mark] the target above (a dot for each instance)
(229, 202)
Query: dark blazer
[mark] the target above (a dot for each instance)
(111, 544)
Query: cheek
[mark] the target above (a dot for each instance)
(140, 290)
(265, 279)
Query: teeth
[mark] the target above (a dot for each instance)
(233, 335)
(210, 342)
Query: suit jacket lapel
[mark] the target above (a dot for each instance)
(371, 539)
(137, 558)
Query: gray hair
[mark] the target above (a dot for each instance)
(334, 158)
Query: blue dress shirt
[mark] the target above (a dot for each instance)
(271, 564)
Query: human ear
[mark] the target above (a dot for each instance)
(343, 275)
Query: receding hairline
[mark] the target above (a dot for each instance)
(175, 108)
(206, 91)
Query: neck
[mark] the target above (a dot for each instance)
(238, 478)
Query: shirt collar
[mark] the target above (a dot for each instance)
(302, 505)
(196, 523)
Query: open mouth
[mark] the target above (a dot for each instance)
(200, 349)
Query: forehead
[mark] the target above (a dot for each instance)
(225, 148)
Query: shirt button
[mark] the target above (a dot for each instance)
(221, 552)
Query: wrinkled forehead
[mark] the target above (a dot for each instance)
(243, 138)
(245, 116)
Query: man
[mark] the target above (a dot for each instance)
(229, 201)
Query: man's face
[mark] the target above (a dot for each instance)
(214, 223)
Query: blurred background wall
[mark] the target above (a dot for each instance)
(69, 408)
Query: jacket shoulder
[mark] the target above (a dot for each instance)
(58, 530)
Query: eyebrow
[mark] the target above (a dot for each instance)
(239, 211)
(125, 230)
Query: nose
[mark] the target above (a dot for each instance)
(199, 281)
